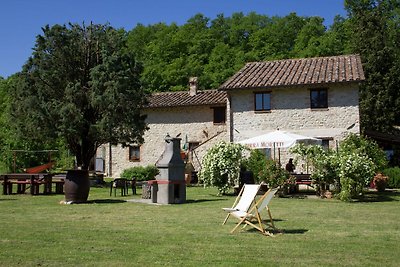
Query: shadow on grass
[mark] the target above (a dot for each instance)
(293, 231)
(375, 196)
(191, 201)
(280, 231)
(106, 201)
(9, 199)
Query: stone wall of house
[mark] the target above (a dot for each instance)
(194, 124)
(290, 111)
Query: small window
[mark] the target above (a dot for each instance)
(262, 101)
(134, 153)
(325, 144)
(193, 145)
(319, 98)
(219, 115)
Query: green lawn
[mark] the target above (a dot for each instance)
(38, 231)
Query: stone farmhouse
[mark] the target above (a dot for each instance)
(316, 97)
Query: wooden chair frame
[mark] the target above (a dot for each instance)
(254, 214)
(244, 200)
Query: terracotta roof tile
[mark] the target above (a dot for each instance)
(183, 98)
(294, 72)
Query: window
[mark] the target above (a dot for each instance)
(262, 101)
(319, 98)
(134, 153)
(192, 146)
(219, 115)
(325, 143)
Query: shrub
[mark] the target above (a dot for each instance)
(140, 173)
(324, 163)
(394, 177)
(256, 163)
(364, 146)
(355, 172)
(221, 166)
(351, 169)
(359, 160)
(380, 182)
(274, 175)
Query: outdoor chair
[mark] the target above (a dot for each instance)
(133, 185)
(119, 183)
(247, 218)
(243, 202)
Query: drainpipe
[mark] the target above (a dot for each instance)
(109, 160)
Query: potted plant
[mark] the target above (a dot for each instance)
(380, 182)
(81, 85)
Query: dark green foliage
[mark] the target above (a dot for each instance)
(11, 161)
(140, 173)
(256, 163)
(82, 85)
(394, 177)
(97, 67)
(376, 37)
(213, 50)
(274, 175)
(266, 170)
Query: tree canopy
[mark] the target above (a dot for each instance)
(213, 50)
(81, 84)
(89, 76)
(375, 25)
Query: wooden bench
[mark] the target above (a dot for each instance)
(302, 179)
(31, 181)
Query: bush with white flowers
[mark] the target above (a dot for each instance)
(351, 169)
(356, 170)
(221, 166)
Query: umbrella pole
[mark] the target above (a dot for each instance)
(274, 152)
(279, 156)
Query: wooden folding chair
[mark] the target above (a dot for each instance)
(247, 218)
(244, 200)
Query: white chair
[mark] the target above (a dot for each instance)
(243, 202)
(254, 213)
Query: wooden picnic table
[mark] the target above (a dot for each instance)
(31, 181)
(302, 178)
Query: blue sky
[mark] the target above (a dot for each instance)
(21, 20)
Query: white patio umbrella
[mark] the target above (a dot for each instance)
(278, 139)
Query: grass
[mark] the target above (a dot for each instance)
(38, 231)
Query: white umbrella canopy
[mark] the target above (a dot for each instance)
(278, 139)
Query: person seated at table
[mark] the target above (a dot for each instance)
(290, 166)
(133, 185)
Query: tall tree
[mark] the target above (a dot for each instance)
(277, 39)
(308, 38)
(81, 84)
(376, 37)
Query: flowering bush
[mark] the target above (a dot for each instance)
(359, 160)
(221, 166)
(351, 169)
(324, 163)
(367, 147)
(380, 182)
(355, 172)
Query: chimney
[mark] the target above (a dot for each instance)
(193, 86)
